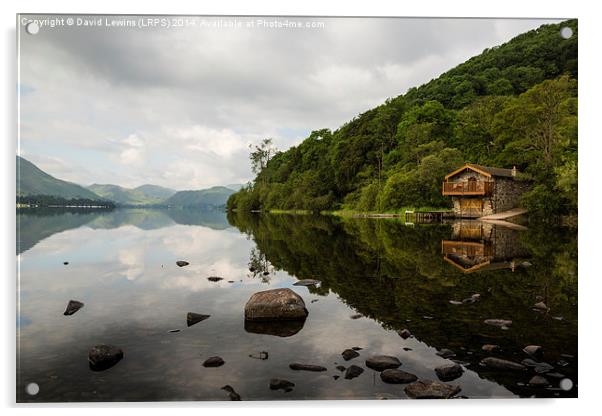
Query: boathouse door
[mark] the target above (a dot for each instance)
(471, 207)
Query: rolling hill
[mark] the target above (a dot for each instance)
(31, 180)
(211, 197)
(142, 195)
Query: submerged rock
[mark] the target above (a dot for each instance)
(103, 357)
(182, 263)
(275, 304)
(500, 323)
(263, 355)
(215, 278)
(445, 353)
(234, 396)
(214, 362)
(490, 347)
(396, 376)
(349, 354)
(404, 333)
(534, 351)
(428, 389)
(353, 371)
(449, 372)
(72, 307)
(382, 362)
(539, 381)
(306, 367)
(194, 318)
(278, 384)
(499, 364)
(307, 282)
(538, 367)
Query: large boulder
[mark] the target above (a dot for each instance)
(275, 304)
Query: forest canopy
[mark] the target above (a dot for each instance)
(512, 105)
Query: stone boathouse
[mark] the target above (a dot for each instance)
(478, 191)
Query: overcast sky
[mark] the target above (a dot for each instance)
(178, 107)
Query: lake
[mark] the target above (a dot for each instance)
(378, 276)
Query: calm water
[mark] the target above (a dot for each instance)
(122, 266)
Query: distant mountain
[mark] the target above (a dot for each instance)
(235, 186)
(31, 180)
(156, 192)
(126, 196)
(211, 197)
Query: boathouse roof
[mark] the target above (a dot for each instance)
(484, 170)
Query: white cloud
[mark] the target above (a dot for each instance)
(179, 108)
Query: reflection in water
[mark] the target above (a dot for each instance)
(122, 266)
(276, 328)
(478, 246)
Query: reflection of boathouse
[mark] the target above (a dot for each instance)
(477, 246)
(478, 190)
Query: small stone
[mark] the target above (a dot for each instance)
(349, 354)
(427, 389)
(500, 323)
(65, 263)
(468, 301)
(535, 351)
(341, 367)
(407, 349)
(266, 273)
(230, 281)
(353, 371)
(356, 348)
(562, 363)
(72, 307)
(314, 300)
(306, 367)
(278, 384)
(455, 302)
(396, 376)
(214, 362)
(499, 364)
(307, 282)
(540, 306)
(194, 318)
(539, 381)
(336, 377)
(234, 396)
(357, 316)
(446, 353)
(215, 278)
(182, 263)
(382, 362)
(252, 269)
(490, 347)
(555, 375)
(428, 317)
(103, 357)
(449, 372)
(404, 333)
(171, 331)
(476, 296)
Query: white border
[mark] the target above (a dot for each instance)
(589, 159)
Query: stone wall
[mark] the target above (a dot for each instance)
(507, 193)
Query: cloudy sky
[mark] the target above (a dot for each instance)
(179, 106)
